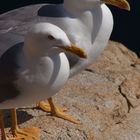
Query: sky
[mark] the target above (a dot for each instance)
(126, 24)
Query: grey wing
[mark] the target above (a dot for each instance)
(13, 26)
(20, 20)
(10, 52)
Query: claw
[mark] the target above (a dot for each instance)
(56, 111)
(47, 108)
(25, 134)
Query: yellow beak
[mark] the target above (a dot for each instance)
(76, 50)
(123, 4)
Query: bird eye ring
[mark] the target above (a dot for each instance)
(51, 37)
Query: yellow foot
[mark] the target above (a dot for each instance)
(25, 134)
(57, 111)
(47, 108)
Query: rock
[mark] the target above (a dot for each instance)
(105, 98)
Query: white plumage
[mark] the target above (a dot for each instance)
(42, 67)
(88, 24)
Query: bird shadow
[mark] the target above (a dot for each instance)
(22, 116)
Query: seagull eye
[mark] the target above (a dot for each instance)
(51, 37)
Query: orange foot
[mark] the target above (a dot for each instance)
(25, 134)
(56, 111)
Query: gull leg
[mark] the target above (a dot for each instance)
(22, 134)
(47, 108)
(3, 134)
(60, 114)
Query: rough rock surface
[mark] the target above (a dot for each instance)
(105, 98)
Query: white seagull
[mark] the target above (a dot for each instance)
(34, 71)
(87, 23)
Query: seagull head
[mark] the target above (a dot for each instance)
(87, 4)
(46, 37)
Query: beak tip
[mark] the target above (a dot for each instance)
(122, 4)
(78, 51)
(128, 8)
(82, 54)
(85, 56)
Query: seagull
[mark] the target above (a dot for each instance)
(32, 71)
(87, 23)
